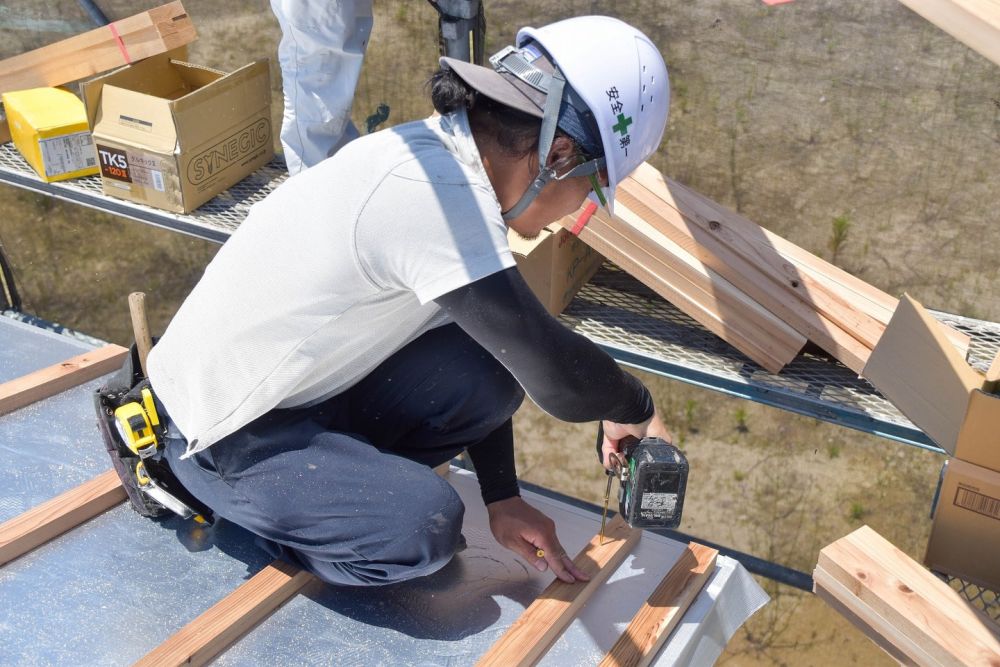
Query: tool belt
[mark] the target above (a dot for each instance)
(134, 427)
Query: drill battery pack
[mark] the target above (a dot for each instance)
(652, 494)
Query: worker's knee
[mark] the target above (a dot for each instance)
(421, 540)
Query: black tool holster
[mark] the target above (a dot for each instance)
(124, 387)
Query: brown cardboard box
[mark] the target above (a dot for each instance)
(965, 536)
(916, 368)
(555, 264)
(173, 135)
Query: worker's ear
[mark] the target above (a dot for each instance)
(562, 147)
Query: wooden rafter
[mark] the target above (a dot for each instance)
(527, 640)
(652, 624)
(229, 619)
(46, 382)
(54, 517)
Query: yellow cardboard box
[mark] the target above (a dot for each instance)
(173, 135)
(555, 264)
(49, 128)
(965, 536)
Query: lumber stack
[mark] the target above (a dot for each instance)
(906, 610)
(754, 289)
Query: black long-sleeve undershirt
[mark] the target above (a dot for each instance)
(567, 375)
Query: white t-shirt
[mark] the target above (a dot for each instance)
(328, 276)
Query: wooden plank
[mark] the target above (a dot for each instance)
(43, 383)
(920, 580)
(701, 293)
(531, 635)
(229, 619)
(54, 517)
(910, 600)
(848, 289)
(887, 637)
(716, 304)
(976, 23)
(732, 304)
(141, 36)
(656, 619)
(757, 284)
(868, 299)
(720, 233)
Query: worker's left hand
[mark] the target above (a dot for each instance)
(524, 530)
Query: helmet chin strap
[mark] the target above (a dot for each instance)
(545, 173)
(546, 136)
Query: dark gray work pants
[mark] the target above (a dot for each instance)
(345, 488)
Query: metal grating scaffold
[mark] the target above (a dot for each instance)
(627, 319)
(630, 321)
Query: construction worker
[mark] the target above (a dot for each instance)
(322, 47)
(367, 321)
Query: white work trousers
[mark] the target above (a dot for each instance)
(322, 45)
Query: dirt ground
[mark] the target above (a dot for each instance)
(804, 117)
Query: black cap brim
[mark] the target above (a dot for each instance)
(505, 90)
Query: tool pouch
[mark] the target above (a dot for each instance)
(125, 386)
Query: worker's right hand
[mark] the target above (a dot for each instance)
(614, 433)
(532, 535)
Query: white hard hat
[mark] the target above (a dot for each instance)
(622, 78)
(595, 77)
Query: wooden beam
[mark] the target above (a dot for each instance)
(54, 517)
(845, 288)
(128, 40)
(864, 619)
(683, 280)
(905, 604)
(795, 264)
(976, 23)
(48, 381)
(531, 635)
(721, 234)
(656, 619)
(229, 619)
(752, 279)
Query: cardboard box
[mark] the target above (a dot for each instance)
(49, 128)
(965, 536)
(173, 135)
(915, 367)
(555, 264)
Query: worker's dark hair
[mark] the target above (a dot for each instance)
(514, 132)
